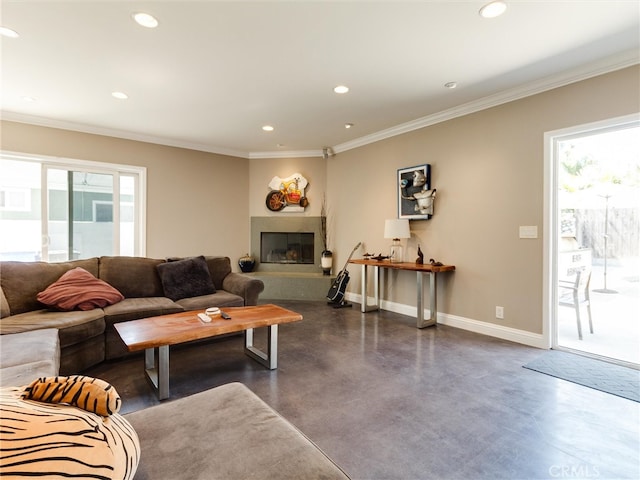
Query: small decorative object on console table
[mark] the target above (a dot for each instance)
(246, 263)
(420, 259)
(396, 228)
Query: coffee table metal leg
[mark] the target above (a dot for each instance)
(268, 359)
(158, 374)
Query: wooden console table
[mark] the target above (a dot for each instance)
(420, 269)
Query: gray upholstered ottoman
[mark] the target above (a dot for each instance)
(225, 433)
(28, 355)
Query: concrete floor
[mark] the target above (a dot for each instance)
(388, 401)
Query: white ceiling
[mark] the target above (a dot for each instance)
(213, 73)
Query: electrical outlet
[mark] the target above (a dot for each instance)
(500, 312)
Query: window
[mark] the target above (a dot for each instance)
(55, 209)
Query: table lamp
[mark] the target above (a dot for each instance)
(396, 228)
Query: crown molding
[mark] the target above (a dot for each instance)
(288, 154)
(110, 132)
(611, 64)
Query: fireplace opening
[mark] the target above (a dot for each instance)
(284, 247)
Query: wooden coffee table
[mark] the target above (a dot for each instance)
(158, 333)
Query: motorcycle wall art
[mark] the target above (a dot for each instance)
(287, 194)
(415, 196)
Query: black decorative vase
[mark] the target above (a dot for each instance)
(326, 261)
(246, 263)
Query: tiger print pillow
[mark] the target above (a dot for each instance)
(56, 440)
(90, 394)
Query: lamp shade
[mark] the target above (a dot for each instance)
(396, 228)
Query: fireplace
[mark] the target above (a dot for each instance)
(286, 244)
(286, 247)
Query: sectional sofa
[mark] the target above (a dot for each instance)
(145, 286)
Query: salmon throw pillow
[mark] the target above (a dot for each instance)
(78, 289)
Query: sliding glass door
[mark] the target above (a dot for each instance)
(597, 241)
(57, 212)
(79, 214)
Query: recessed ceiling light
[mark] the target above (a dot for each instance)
(267, 128)
(341, 89)
(7, 32)
(348, 125)
(145, 20)
(29, 99)
(451, 85)
(119, 95)
(493, 9)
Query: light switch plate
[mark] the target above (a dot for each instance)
(528, 231)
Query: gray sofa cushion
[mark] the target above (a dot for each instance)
(219, 299)
(135, 308)
(73, 327)
(225, 433)
(29, 355)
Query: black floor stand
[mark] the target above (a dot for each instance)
(341, 304)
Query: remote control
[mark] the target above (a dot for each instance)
(205, 318)
(225, 315)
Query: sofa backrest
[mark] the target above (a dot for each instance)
(134, 277)
(22, 281)
(219, 267)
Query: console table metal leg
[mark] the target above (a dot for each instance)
(268, 359)
(158, 374)
(365, 307)
(433, 298)
(421, 322)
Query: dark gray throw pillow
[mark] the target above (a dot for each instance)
(186, 278)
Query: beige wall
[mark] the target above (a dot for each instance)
(197, 203)
(487, 168)
(488, 171)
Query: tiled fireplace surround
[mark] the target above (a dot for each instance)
(290, 280)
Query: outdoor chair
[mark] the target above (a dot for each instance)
(574, 293)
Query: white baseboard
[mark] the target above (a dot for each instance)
(484, 328)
